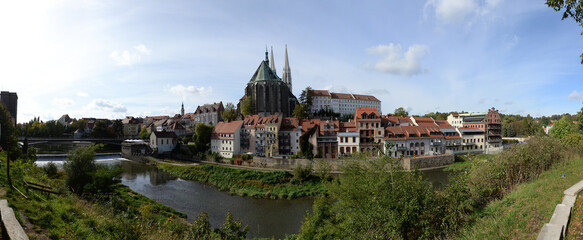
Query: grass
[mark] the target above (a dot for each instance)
(522, 212)
(122, 214)
(575, 230)
(243, 182)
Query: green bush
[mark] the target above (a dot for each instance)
(302, 173)
(79, 167)
(51, 170)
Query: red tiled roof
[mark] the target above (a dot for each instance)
(365, 97)
(367, 110)
(227, 127)
(289, 124)
(412, 132)
(317, 93)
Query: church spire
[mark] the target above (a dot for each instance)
(182, 109)
(272, 63)
(286, 75)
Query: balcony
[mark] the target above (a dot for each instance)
(435, 144)
(402, 149)
(453, 144)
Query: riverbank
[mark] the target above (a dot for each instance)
(120, 214)
(246, 182)
(522, 212)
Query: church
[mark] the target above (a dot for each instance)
(271, 94)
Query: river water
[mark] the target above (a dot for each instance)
(265, 217)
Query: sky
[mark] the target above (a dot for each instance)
(111, 59)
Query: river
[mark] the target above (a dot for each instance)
(265, 217)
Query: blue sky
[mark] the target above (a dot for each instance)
(137, 58)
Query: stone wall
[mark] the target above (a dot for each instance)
(428, 161)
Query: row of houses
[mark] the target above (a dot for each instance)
(272, 136)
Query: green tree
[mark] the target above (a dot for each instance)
(80, 124)
(117, 128)
(202, 137)
(79, 167)
(230, 113)
(563, 127)
(374, 200)
(301, 111)
(144, 134)
(247, 107)
(101, 130)
(401, 112)
(572, 9)
(306, 97)
(8, 138)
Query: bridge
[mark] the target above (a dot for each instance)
(35, 140)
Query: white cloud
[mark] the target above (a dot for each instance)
(575, 96)
(142, 49)
(394, 62)
(106, 106)
(63, 102)
(184, 91)
(337, 89)
(82, 94)
(127, 58)
(452, 11)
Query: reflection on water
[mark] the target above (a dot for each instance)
(265, 217)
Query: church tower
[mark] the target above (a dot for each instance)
(182, 110)
(272, 63)
(286, 75)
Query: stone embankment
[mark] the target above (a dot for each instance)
(11, 228)
(557, 227)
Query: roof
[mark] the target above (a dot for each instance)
(317, 93)
(335, 95)
(368, 111)
(210, 107)
(412, 132)
(308, 124)
(227, 127)
(264, 72)
(289, 124)
(164, 134)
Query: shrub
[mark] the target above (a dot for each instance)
(103, 180)
(302, 173)
(79, 166)
(51, 169)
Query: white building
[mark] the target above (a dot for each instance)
(163, 142)
(414, 141)
(225, 139)
(343, 103)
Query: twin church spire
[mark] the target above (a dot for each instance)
(286, 75)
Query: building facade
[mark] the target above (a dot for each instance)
(209, 114)
(226, 139)
(163, 142)
(343, 103)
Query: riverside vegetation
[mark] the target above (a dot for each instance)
(94, 205)
(374, 199)
(254, 183)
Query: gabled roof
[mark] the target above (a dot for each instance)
(227, 127)
(164, 134)
(211, 107)
(366, 110)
